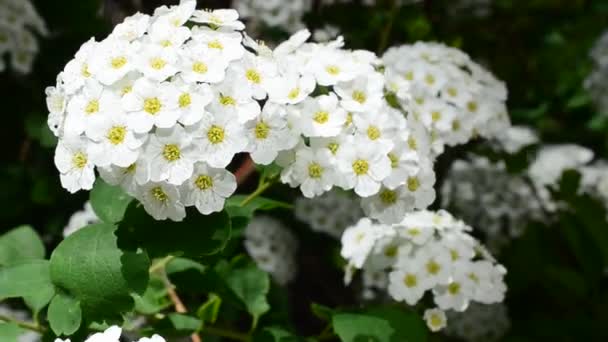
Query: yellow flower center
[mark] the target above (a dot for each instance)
(253, 76)
(171, 152)
(215, 134)
(391, 251)
(359, 96)
(413, 184)
(333, 147)
(227, 100)
(436, 321)
(199, 67)
(454, 289)
(294, 93)
(429, 79)
(159, 194)
(432, 267)
(92, 107)
(411, 143)
(126, 90)
(394, 160)
(85, 70)
(321, 117)
(349, 119)
(360, 167)
(185, 100)
(455, 125)
(409, 76)
(332, 70)
(204, 182)
(152, 105)
(166, 43)
(157, 63)
(472, 106)
(413, 231)
(79, 160)
(373, 133)
(410, 280)
(454, 254)
(473, 277)
(436, 116)
(117, 134)
(215, 44)
(261, 130)
(118, 62)
(388, 197)
(315, 170)
(452, 92)
(131, 168)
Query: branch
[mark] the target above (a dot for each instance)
(22, 324)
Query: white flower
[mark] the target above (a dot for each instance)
(421, 186)
(151, 104)
(364, 93)
(112, 334)
(154, 338)
(255, 72)
(218, 137)
(80, 219)
(112, 60)
(313, 171)
(291, 88)
(379, 128)
(321, 116)
(168, 36)
(132, 28)
(171, 155)
(192, 100)
(198, 63)
(77, 72)
(363, 167)
(268, 134)
(157, 63)
(226, 19)
(56, 104)
(231, 97)
(72, 159)
(358, 241)
(176, 15)
(90, 108)
(404, 163)
(208, 188)
(456, 294)
(388, 206)
(227, 44)
(407, 285)
(115, 143)
(161, 201)
(435, 319)
(128, 178)
(331, 67)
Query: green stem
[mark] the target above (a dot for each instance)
(22, 324)
(386, 33)
(220, 332)
(160, 264)
(261, 188)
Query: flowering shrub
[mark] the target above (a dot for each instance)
(302, 187)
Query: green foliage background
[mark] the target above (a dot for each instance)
(557, 283)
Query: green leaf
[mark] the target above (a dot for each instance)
(175, 324)
(154, 299)
(26, 279)
(234, 208)
(274, 334)
(197, 236)
(251, 285)
(39, 300)
(9, 332)
(90, 266)
(209, 311)
(322, 312)
(109, 202)
(64, 314)
(382, 325)
(20, 245)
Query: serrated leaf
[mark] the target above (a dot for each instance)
(25, 279)
(64, 314)
(197, 236)
(20, 245)
(251, 285)
(109, 202)
(90, 267)
(382, 325)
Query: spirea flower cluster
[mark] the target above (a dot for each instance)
(453, 97)
(499, 204)
(273, 248)
(597, 82)
(427, 252)
(19, 24)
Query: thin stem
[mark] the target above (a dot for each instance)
(220, 332)
(160, 264)
(386, 33)
(25, 325)
(261, 188)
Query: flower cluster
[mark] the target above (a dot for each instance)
(597, 82)
(485, 194)
(427, 251)
(81, 219)
(329, 213)
(273, 248)
(112, 334)
(160, 109)
(19, 22)
(453, 97)
(480, 323)
(274, 13)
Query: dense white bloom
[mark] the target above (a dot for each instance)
(80, 219)
(426, 251)
(273, 247)
(19, 26)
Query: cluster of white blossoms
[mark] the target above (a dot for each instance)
(112, 334)
(485, 194)
(426, 252)
(286, 15)
(453, 97)
(19, 24)
(329, 213)
(81, 219)
(480, 323)
(273, 248)
(597, 82)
